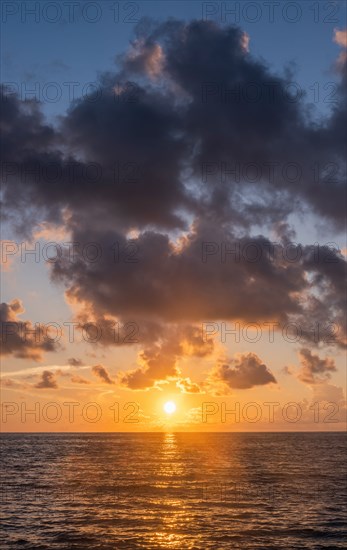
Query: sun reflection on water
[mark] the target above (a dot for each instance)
(173, 516)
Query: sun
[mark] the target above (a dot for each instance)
(169, 407)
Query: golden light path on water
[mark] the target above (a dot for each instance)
(175, 516)
(175, 490)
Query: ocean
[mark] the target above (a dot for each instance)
(173, 491)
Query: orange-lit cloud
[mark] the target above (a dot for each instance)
(187, 386)
(245, 41)
(340, 37)
(159, 361)
(146, 57)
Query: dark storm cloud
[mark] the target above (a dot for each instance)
(21, 338)
(242, 372)
(170, 131)
(189, 112)
(175, 285)
(325, 307)
(132, 159)
(238, 111)
(28, 147)
(172, 283)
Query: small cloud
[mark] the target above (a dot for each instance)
(340, 37)
(7, 382)
(12, 384)
(59, 65)
(329, 393)
(48, 381)
(287, 370)
(244, 371)
(73, 362)
(187, 386)
(314, 370)
(101, 372)
(79, 380)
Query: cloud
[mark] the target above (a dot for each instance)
(340, 37)
(76, 379)
(101, 372)
(244, 371)
(159, 361)
(313, 369)
(245, 41)
(159, 179)
(48, 381)
(21, 338)
(75, 362)
(332, 402)
(33, 371)
(154, 140)
(12, 384)
(177, 285)
(329, 393)
(187, 386)
(50, 232)
(145, 58)
(158, 364)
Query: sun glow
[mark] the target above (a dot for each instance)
(170, 407)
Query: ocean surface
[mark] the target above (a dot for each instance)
(174, 490)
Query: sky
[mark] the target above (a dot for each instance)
(173, 197)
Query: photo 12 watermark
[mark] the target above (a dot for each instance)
(70, 12)
(271, 11)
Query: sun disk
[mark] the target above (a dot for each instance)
(169, 407)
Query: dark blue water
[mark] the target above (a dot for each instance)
(173, 491)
